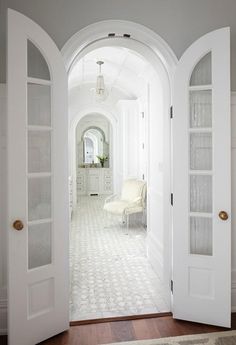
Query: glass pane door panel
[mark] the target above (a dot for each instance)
(200, 109)
(39, 105)
(39, 198)
(200, 151)
(37, 65)
(202, 72)
(200, 193)
(39, 151)
(200, 235)
(39, 245)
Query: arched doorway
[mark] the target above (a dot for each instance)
(152, 48)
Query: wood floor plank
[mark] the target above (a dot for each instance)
(122, 331)
(104, 333)
(141, 329)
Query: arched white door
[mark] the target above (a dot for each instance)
(202, 182)
(37, 185)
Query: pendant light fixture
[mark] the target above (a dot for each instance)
(100, 85)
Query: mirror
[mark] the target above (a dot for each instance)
(93, 140)
(93, 132)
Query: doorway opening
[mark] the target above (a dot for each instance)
(119, 265)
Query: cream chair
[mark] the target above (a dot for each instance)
(132, 200)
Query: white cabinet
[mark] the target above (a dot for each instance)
(81, 181)
(107, 181)
(94, 181)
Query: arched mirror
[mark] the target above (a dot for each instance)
(93, 137)
(94, 145)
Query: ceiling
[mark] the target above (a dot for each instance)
(123, 70)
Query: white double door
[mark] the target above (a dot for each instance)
(38, 183)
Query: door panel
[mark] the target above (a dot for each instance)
(37, 184)
(202, 182)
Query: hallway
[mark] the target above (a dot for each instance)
(110, 273)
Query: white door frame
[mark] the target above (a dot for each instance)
(152, 47)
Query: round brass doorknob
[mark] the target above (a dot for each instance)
(18, 225)
(223, 215)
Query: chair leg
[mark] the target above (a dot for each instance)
(127, 224)
(123, 219)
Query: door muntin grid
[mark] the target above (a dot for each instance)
(201, 159)
(39, 155)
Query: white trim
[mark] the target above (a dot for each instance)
(100, 30)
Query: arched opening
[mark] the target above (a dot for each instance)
(150, 99)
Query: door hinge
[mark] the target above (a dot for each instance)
(171, 112)
(143, 146)
(171, 286)
(172, 199)
(143, 176)
(143, 114)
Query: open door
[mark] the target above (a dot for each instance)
(37, 184)
(202, 182)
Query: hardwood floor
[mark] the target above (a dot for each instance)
(103, 333)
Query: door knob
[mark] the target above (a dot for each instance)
(18, 225)
(223, 215)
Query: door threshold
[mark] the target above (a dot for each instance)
(119, 318)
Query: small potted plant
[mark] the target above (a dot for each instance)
(102, 159)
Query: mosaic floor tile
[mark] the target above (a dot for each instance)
(110, 273)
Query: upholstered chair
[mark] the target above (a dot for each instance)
(131, 201)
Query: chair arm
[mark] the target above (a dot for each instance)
(136, 200)
(110, 198)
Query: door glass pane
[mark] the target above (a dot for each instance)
(200, 108)
(202, 72)
(200, 151)
(200, 193)
(39, 105)
(37, 66)
(39, 245)
(200, 235)
(39, 198)
(39, 151)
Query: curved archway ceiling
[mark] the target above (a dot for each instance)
(123, 70)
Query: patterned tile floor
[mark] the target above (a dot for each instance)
(110, 273)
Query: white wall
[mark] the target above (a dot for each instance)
(127, 141)
(155, 196)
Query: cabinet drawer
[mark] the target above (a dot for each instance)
(80, 172)
(108, 188)
(107, 178)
